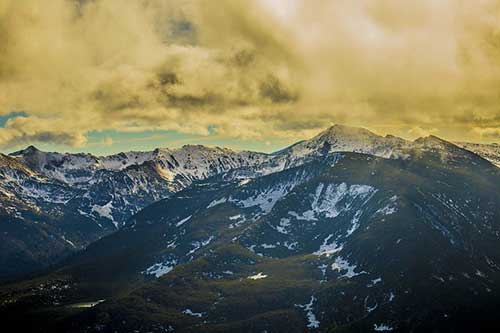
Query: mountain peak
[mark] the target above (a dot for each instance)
(26, 151)
(342, 138)
(347, 130)
(432, 140)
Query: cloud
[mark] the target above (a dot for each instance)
(492, 133)
(28, 129)
(247, 69)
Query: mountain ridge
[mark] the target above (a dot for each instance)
(343, 133)
(96, 195)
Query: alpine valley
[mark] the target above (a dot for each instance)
(346, 232)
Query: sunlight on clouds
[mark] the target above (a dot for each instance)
(249, 69)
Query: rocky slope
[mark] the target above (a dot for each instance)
(491, 152)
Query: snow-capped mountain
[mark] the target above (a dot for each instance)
(115, 187)
(340, 138)
(347, 242)
(78, 198)
(180, 165)
(63, 202)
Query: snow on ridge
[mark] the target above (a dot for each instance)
(339, 138)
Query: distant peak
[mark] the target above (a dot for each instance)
(31, 148)
(199, 147)
(26, 151)
(194, 147)
(344, 130)
(337, 127)
(430, 139)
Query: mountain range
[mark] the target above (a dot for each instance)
(346, 232)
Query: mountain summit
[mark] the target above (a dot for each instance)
(351, 139)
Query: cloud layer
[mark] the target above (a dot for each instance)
(248, 69)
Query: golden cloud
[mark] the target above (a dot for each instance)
(405, 68)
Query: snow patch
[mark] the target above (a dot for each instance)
(181, 222)
(68, 241)
(199, 244)
(240, 220)
(311, 317)
(341, 264)
(308, 215)
(217, 202)
(283, 227)
(264, 200)
(267, 198)
(390, 208)
(335, 199)
(382, 327)
(245, 181)
(160, 269)
(105, 211)
(257, 276)
(328, 249)
(354, 223)
(189, 312)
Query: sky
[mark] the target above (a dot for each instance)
(104, 76)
